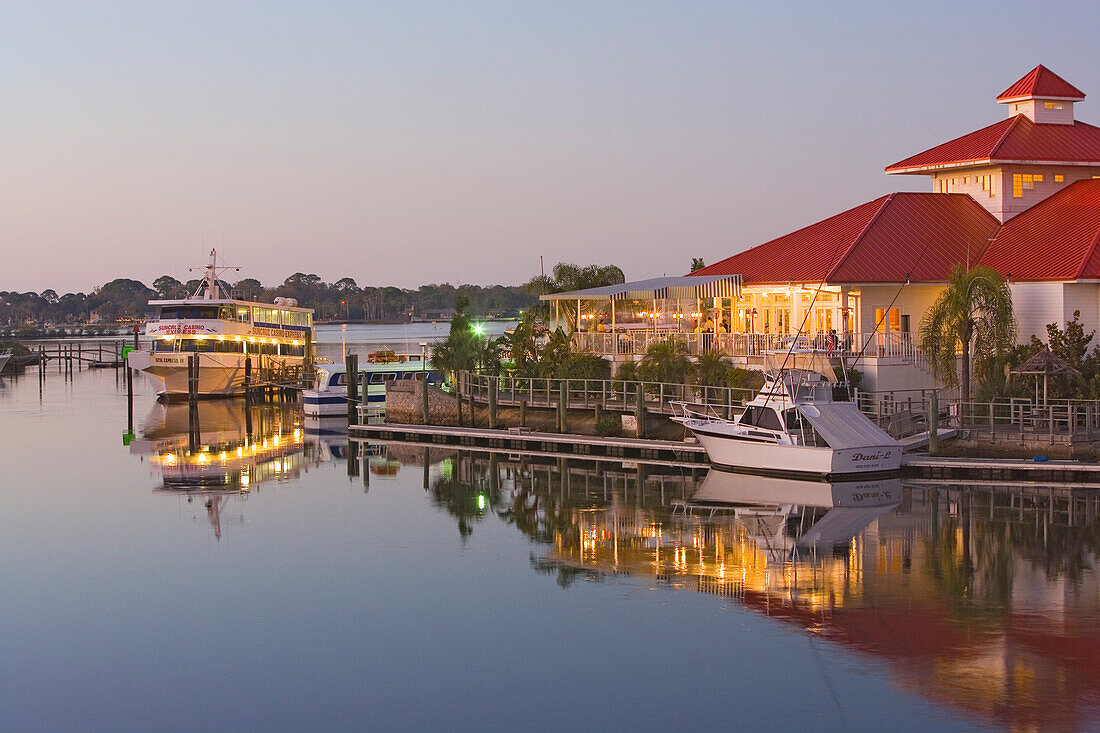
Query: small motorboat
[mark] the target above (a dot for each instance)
(799, 424)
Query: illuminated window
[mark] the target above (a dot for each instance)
(1024, 182)
(1059, 178)
(1052, 105)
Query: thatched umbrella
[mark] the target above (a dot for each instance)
(1047, 364)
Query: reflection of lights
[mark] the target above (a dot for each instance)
(222, 456)
(481, 501)
(202, 458)
(276, 440)
(244, 479)
(169, 458)
(240, 451)
(297, 433)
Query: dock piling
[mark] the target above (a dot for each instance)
(352, 365)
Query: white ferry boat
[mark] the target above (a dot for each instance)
(226, 334)
(795, 427)
(330, 395)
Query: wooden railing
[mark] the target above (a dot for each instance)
(607, 394)
(636, 343)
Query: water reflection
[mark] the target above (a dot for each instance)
(983, 598)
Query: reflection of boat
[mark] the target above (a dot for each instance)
(330, 395)
(222, 445)
(5, 356)
(772, 504)
(227, 335)
(794, 426)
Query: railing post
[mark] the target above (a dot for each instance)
(563, 406)
(639, 409)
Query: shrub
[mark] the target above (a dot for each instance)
(584, 366)
(664, 361)
(609, 425)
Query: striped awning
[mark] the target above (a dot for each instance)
(685, 287)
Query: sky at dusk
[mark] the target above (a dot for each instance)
(404, 143)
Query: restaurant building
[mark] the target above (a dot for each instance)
(1021, 196)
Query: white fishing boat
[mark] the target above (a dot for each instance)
(329, 396)
(795, 426)
(228, 335)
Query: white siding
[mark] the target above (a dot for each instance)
(1084, 297)
(1036, 305)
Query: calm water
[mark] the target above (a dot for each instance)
(144, 588)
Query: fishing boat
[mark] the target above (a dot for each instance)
(798, 424)
(329, 397)
(229, 336)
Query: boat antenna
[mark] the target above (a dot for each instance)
(209, 282)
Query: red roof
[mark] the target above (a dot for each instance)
(1013, 140)
(919, 235)
(1054, 240)
(1043, 83)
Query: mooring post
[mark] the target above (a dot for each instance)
(523, 412)
(192, 378)
(424, 400)
(129, 399)
(639, 408)
(351, 362)
(353, 450)
(933, 423)
(492, 403)
(563, 406)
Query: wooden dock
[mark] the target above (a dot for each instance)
(666, 452)
(1073, 474)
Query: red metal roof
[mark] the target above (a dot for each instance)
(1012, 140)
(1043, 83)
(1054, 240)
(919, 235)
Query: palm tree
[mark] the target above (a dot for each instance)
(972, 316)
(567, 277)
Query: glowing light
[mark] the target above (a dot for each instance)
(276, 439)
(244, 479)
(169, 458)
(220, 337)
(479, 329)
(481, 501)
(297, 433)
(240, 451)
(166, 338)
(236, 338)
(202, 458)
(222, 456)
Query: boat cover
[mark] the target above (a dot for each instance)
(842, 425)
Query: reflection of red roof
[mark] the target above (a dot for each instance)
(1013, 140)
(1043, 83)
(919, 234)
(1054, 240)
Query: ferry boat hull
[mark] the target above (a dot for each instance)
(220, 375)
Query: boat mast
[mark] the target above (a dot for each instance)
(209, 289)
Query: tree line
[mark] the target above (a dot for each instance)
(123, 298)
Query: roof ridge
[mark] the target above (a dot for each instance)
(855, 240)
(1000, 141)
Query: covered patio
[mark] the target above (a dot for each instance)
(719, 314)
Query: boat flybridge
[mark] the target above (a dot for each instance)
(799, 424)
(226, 334)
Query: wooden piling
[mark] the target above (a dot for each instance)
(192, 378)
(639, 409)
(492, 403)
(129, 399)
(563, 406)
(523, 413)
(351, 361)
(424, 401)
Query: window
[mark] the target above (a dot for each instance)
(887, 321)
(1024, 182)
(761, 417)
(1052, 105)
(1059, 178)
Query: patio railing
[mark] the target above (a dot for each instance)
(636, 343)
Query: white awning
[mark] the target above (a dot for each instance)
(684, 287)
